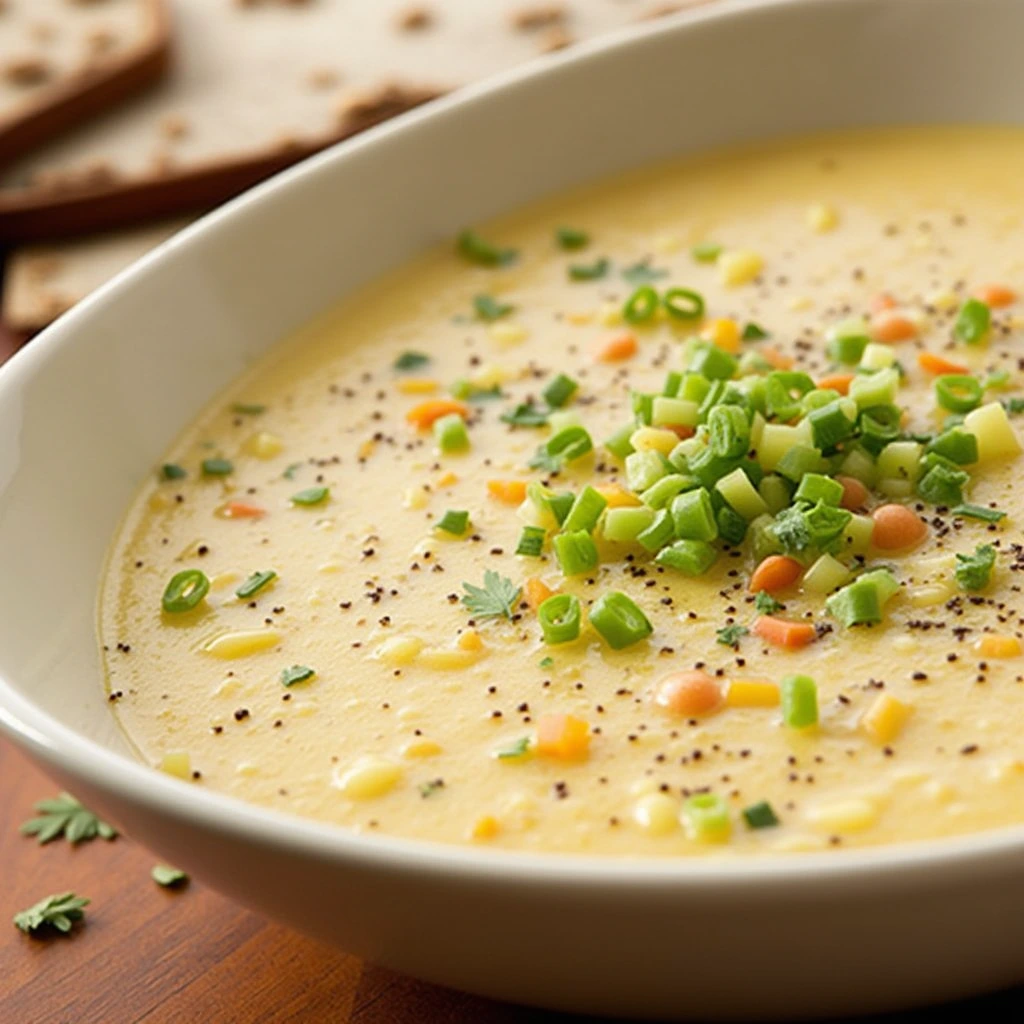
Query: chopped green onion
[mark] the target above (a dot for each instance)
(586, 511)
(830, 424)
(814, 488)
(248, 408)
(171, 471)
(217, 467)
(255, 583)
(760, 815)
(310, 496)
(879, 426)
(800, 460)
(706, 252)
(986, 515)
(973, 572)
(693, 516)
(531, 542)
(619, 444)
(455, 522)
(641, 305)
(559, 617)
(624, 525)
(848, 348)
(943, 483)
(477, 250)
(589, 271)
(296, 674)
(728, 431)
(872, 389)
(754, 332)
(658, 495)
(566, 446)
(521, 746)
(732, 527)
(410, 361)
(957, 445)
(185, 590)
(707, 818)
(560, 504)
(683, 304)
(673, 382)
(571, 238)
(659, 533)
(973, 322)
(958, 393)
(559, 390)
(710, 361)
(576, 552)
(451, 434)
(799, 701)
(619, 620)
(489, 309)
(690, 557)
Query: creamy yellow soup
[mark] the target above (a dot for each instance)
(358, 686)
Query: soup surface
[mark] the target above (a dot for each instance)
(783, 503)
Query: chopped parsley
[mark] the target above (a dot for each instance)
(973, 572)
(168, 877)
(760, 815)
(731, 635)
(527, 414)
(489, 309)
(248, 409)
(172, 471)
(478, 250)
(296, 674)
(1014, 406)
(766, 604)
(255, 583)
(217, 467)
(65, 816)
(410, 361)
(546, 662)
(589, 271)
(310, 496)
(518, 749)
(643, 273)
(495, 599)
(754, 332)
(572, 238)
(59, 912)
(290, 471)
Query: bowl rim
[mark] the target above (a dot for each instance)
(139, 784)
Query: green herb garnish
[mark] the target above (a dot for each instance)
(248, 409)
(531, 541)
(754, 332)
(310, 496)
(410, 361)
(546, 662)
(168, 877)
(987, 515)
(60, 912)
(217, 467)
(766, 604)
(572, 238)
(65, 816)
(290, 471)
(495, 599)
(973, 322)
(731, 635)
(489, 309)
(527, 415)
(643, 273)
(477, 250)
(589, 271)
(185, 590)
(296, 674)
(973, 572)
(760, 815)
(467, 391)
(172, 471)
(518, 749)
(255, 583)
(454, 522)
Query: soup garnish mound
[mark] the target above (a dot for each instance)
(675, 516)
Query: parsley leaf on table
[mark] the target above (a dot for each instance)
(59, 911)
(65, 816)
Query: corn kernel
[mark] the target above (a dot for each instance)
(366, 448)
(485, 827)
(657, 813)
(930, 594)
(752, 693)
(651, 438)
(996, 437)
(508, 334)
(822, 217)
(242, 643)
(417, 386)
(421, 748)
(884, 720)
(178, 764)
(448, 479)
(723, 333)
(448, 660)
(993, 646)
(417, 497)
(610, 314)
(739, 266)
(470, 641)
(222, 580)
(945, 301)
(853, 815)
(368, 778)
(248, 769)
(263, 445)
(399, 650)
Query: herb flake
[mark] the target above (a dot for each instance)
(409, 361)
(168, 877)
(489, 309)
(731, 635)
(65, 816)
(297, 674)
(59, 912)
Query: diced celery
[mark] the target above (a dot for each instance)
(859, 464)
(776, 440)
(856, 538)
(800, 460)
(874, 389)
(825, 575)
(644, 469)
(742, 496)
(659, 533)
(996, 437)
(684, 451)
(694, 387)
(624, 525)
(763, 541)
(776, 492)
(674, 412)
(878, 357)
(562, 418)
(899, 460)
(658, 495)
(815, 487)
(895, 488)
(757, 426)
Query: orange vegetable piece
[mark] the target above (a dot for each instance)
(616, 349)
(837, 382)
(897, 527)
(240, 510)
(855, 494)
(536, 592)
(776, 572)
(512, 492)
(995, 295)
(777, 358)
(881, 302)
(892, 327)
(992, 645)
(422, 416)
(681, 431)
(932, 363)
(563, 736)
(689, 693)
(782, 632)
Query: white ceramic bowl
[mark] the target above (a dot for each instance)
(88, 407)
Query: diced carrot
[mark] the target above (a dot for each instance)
(892, 327)
(897, 527)
(512, 492)
(777, 358)
(689, 693)
(881, 302)
(563, 736)
(855, 494)
(782, 632)
(240, 510)
(837, 382)
(991, 645)
(422, 416)
(617, 349)
(932, 363)
(536, 592)
(775, 573)
(995, 295)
